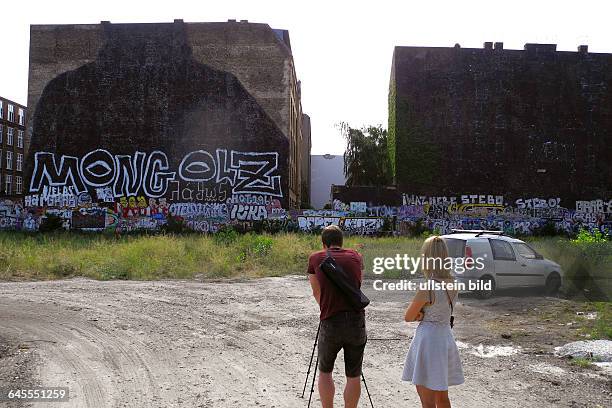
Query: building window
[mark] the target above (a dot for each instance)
(9, 160)
(20, 139)
(1, 132)
(9, 136)
(11, 113)
(0, 160)
(8, 182)
(18, 184)
(1, 110)
(19, 161)
(21, 117)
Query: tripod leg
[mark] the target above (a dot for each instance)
(367, 391)
(314, 375)
(311, 357)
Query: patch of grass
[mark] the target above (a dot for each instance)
(581, 362)
(146, 257)
(230, 254)
(602, 327)
(575, 318)
(517, 334)
(586, 264)
(371, 247)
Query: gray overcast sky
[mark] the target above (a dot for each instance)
(342, 49)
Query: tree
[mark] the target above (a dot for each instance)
(366, 159)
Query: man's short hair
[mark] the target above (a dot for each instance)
(332, 236)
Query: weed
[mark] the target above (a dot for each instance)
(588, 237)
(581, 362)
(225, 236)
(602, 328)
(586, 266)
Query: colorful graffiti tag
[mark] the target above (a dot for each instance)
(150, 174)
(79, 211)
(101, 190)
(526, 216)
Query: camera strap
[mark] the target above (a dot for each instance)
(450, 302)
(343, 282)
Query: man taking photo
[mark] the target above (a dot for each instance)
(342, 327)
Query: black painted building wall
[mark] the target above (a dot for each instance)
(181, 111)
(533, 122)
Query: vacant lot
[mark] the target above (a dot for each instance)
(247, 344)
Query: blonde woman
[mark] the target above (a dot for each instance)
(433, 363)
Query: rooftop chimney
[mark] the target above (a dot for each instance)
(499, 46)
(244, 21)
(231, 20)
(488, 45)
(105, 22)
(583, 49)
(178, 20)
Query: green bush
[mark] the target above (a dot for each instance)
(585, 261)
(263, 246)
(225, 236)
(587, 237)
(254, 246)
(419, 229)
(603, 324)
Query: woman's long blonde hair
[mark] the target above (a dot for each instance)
(435, 254)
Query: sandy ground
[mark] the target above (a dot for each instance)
(248, 343)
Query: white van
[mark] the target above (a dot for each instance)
(508, 262)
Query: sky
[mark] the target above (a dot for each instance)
(342, 49)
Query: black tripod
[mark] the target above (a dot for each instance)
(314, 375)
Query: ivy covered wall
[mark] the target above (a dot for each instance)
(415, 160)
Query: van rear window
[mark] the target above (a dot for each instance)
(456, 247)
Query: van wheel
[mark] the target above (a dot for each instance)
(553, 283)
(485, 294)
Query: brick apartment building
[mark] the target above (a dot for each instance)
(12, 148)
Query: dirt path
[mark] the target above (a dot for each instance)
(247, 344)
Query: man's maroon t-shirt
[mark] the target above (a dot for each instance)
(332, 300)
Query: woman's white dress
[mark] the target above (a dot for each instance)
(433, 358)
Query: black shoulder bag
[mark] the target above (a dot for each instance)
(343, 282)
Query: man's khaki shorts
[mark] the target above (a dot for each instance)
(345, 330)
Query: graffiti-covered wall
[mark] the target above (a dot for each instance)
(522, 216)
(135, 122)
(519, 216)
